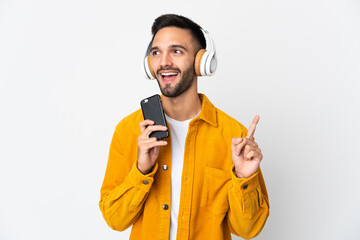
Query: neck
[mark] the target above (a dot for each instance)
(185, 106)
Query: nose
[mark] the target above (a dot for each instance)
(165, 60)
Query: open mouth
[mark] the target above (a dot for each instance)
(169, 76)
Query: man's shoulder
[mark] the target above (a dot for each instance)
(131, 121)
(225, 120)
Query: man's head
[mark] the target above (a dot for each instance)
(176, 40)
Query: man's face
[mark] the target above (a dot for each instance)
(173, 52)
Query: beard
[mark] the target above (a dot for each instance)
(182, 86)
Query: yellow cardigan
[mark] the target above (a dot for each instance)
(213, 202)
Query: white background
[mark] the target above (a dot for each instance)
(71, 70)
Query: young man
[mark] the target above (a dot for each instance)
(204, 181)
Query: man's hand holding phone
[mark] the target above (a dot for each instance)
(148, 148)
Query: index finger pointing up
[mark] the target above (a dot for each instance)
(252, 127)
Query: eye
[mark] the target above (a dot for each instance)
(155, 53)
(177, 51)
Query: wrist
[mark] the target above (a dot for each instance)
(242, 174)
(238, 175)
(144, 171)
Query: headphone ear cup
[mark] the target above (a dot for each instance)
(210, 64)
(149, 59)
(198, 59)
(149, 72)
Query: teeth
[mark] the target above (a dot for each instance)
(168, 74)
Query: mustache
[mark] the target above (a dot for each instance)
(168, 68)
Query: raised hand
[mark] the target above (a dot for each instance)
(246, 154)
(148, 148)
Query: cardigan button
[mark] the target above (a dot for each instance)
(245, 186)
(165, 167)
(165, 207)
(145, 182)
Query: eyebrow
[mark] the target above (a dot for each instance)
(171, 46)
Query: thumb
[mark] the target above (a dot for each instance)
(237, 145)
(240, 146)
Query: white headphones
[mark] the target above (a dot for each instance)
(205, 60)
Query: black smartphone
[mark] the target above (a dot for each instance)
(152, 109)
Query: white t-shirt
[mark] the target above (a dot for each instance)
(178, 136)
